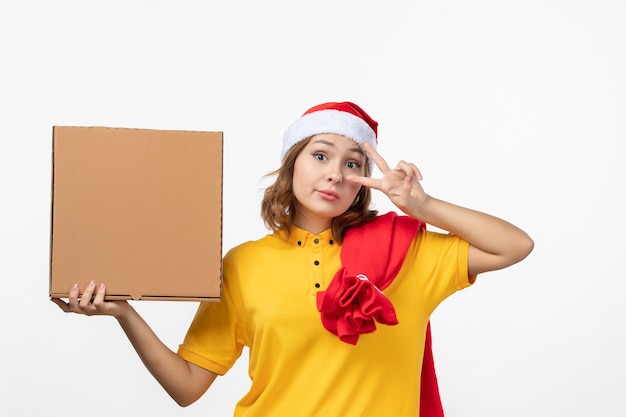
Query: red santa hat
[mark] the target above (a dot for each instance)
(345, 118)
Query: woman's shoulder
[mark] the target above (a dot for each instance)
(265, 243)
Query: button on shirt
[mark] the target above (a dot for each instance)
(319, 252)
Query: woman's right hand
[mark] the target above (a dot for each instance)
(92, 305)
(183, 381)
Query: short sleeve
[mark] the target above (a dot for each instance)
(215, 338)
(438, 262)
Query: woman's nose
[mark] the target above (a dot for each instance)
(335, 176)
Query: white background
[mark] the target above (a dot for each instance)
(514, 107)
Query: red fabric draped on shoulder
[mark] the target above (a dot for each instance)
(371, 257)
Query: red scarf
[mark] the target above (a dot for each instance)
(371, 257)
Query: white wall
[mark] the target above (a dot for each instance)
(511, 107)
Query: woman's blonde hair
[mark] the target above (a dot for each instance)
(278, 208)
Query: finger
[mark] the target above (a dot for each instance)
(365, 181)
(85, 300)
(408, 184)
(404, 167)
(375, 156)
(73, 298)
(409, 169)
(416, 172)
(99, 299)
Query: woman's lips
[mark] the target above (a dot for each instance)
(329, 195)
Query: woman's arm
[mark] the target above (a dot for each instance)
(494, 243)
(183, 381)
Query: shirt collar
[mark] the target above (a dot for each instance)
(301, 237)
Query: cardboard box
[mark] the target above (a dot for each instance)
(140, 210)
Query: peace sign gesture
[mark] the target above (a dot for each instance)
(400, 184)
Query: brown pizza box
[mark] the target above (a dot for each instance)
(137, 209)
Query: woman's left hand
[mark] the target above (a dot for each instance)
(400, 184)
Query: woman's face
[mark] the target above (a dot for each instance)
(319, 183)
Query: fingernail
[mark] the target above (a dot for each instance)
(91, 284)
(75, 287)
(102, 286)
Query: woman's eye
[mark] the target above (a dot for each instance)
(320, 156)
(353, 165)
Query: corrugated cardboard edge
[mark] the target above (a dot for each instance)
(136, 297)
(52, 220)
(147, 298)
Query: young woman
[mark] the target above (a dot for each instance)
(334, 304)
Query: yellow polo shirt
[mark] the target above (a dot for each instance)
(297, 367)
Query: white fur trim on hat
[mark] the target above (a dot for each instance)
(328, 121)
